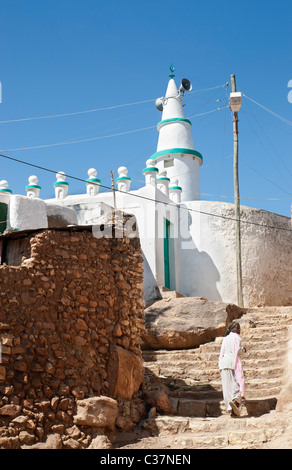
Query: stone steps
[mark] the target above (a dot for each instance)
(252, 377)
(200, 366)
(253, 344)
(209, 356)
(169, 294)
(212, 359)
(218, 432)
(254, 388)
(193, 378)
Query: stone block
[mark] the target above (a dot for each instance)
(96, 411)
(125, 372)
(191, 408)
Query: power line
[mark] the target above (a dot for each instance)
(98, 109)
(150, 199)
(269, 111)
(267, 179)
(271, 143)
(268, 153)
(67, 142)
(79, 140)
(76, 113)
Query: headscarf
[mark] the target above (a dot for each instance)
(230, 327)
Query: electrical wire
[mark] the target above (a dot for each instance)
(269, 111)
(91, 139)
(77, 112)
(268, 153)
(98, 109)
(267, 179)
(271, 144)
(79, 140)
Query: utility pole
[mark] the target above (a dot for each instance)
(115, 204)
(235, 103)
(113, 188)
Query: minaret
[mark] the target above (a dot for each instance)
(175, 149)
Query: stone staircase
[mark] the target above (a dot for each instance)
(194, 388)
(166, 293)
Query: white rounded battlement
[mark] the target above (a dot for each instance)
(163, 182)
(123, 181)
(61, 186)
(5, 192)
(175, 191)
(92, 173)
(92, 183)
(4, 186)
(33, 189)
(150, 173)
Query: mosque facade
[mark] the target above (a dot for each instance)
(188, 244)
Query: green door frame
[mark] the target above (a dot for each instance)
(166, 253)
(3, 216)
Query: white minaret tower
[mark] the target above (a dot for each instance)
(175, 150)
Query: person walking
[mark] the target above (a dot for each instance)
(231, 370)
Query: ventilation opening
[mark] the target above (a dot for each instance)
(168, 163)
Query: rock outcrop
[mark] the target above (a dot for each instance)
(187, 322)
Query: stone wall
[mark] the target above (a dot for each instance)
(71, 310)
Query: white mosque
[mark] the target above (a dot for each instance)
(188, 244)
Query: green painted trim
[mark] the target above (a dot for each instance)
(176, 150)
(151, 168)
(163, 178)
(93, 180)
(57, 183)
(33, 186)
(166, 121)
(5, 190)
(3, 216)
(166, 253)
(123, 178)
(176, 187)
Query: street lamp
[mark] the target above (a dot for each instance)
(235, 102)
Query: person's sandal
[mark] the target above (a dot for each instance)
(235, 407)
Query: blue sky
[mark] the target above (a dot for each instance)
(66, 56)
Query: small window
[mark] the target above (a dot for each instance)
(168, 163)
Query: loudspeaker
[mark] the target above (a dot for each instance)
(159, 104)
(185, 85)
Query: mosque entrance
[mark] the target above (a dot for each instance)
(169, 265)
(166, 253)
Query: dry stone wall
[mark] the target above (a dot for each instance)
(68, 312)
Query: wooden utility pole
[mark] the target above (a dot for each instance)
(115, 203)
(113, 188)
(237, 201)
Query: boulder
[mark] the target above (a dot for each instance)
(10, 410)
(125, 372)
(100, 412)
(159, 400)
(53, 441)
(100, 441)
(186, 322)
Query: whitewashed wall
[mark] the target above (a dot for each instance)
(202, 261)
(207, 260)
